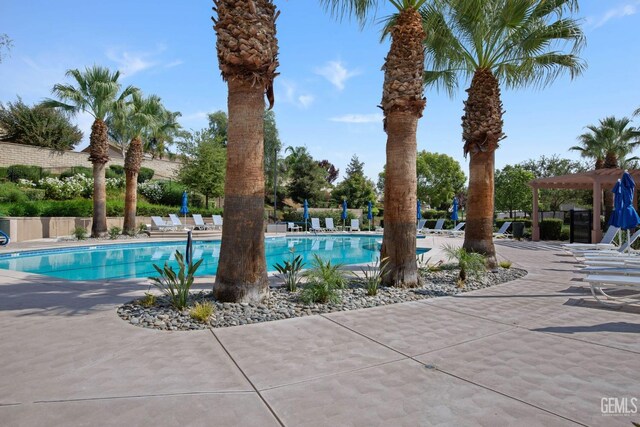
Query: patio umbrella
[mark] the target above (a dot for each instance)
(419, 211)
(616, 216)
(189, 252)
(344, 213)
(629, 218)
(369, 214)
(454, 211)
(305, 214)
(184, 209)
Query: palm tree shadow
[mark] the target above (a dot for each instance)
(621, 327)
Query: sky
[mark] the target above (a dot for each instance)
(330, 81)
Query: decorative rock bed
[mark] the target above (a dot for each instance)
(282, 304)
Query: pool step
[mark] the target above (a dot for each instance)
(182, 234)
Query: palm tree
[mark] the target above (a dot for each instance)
(402, 105)
(494, 42)
(95, 92)
(247, 54)
(162, 133)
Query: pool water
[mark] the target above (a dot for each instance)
(136, 260)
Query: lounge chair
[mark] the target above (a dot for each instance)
(200, 224)
(617, 282)
(315, 225)
(420, 226)
(435, 230)
(176, 221)
(355, 225)
(502, 232)
(605, 243)
(622, 250)
(217, 222)
(456, 231)
(291, 226)
(158, 223)
(328, 224)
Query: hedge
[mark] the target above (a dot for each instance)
(32, 173)
(77, 170)
(145, 174)
(3, 173)
(551, 229)
(527, 221)
(336, 214)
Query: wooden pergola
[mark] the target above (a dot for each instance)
(596, 180)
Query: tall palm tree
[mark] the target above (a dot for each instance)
(402, 104)
(162, 133)
(516, 43)
(247, 54)
(96, 91)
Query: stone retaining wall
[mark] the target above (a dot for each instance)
(56, 161)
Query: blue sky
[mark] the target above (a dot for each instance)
(330, 82)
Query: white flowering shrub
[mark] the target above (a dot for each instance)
(114, 183)
(26, 183)
(67, 188)
(151, 190)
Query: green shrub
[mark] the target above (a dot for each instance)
(32, 173)
(3, 173)
(10, 193)
(80, 233)
(324, 280)
(145, 175)
(176, 286)
(564, 234)
(77, 170)
(149, 300)
(34, 193)
(290, 272)
(551, 229)
(470, 263)
(117, 170)
(435, 214)
(372, 278)
(505, 264)
(114, 232)
(202, 311)
(526, 221)
(171, 193)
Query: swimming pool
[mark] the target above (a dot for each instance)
(135, 260)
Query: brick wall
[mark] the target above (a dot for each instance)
(56, 162)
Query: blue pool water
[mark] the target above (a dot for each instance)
(136, 260)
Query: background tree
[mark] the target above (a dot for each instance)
(355, 188)
(96, 92)
(203, 164)
(512, 189)
(272, 148)
(544, 167)
(247, 55)
(218, 125)
(440, 177)
(494, 42)
(164, 133)
(37, 125)
(331, 171)
(306, 179)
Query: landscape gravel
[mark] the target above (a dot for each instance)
(282, 304)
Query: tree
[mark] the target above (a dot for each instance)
(494, 42)
(272, 148)
(247, 55)
(203, 164)
(218, 125)
(551, 199)
(331, 171)
(163, 133)
(38, 126)
(402, 106)
(512, 190)
(306, 179)
(356, 188)
(95, 92)
(5, 44)
(440, 178)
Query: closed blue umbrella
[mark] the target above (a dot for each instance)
(344, 212)
(629, 217)
(454, 210)
(369, 214)
(616, 216)
(419, 211)
(305, 214)
(184, 209)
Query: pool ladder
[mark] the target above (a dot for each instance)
(4, 238)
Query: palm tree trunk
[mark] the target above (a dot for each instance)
(242, 270)
(402, 103)
(132, 162)
(399, 238)
(481, 131)
(98, 142)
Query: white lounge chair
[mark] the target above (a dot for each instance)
(502, 232)
(456, 231)
(605, 243)
(435, 230)
(200, 224)
(598, 282)
(328, 224)
(217, 222)
(158, 223)
(291, 226)
(176, 221)
(315, 225)
(622, 250)
(355, 225)
(420, 226)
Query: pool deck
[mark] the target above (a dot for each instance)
(535, 351)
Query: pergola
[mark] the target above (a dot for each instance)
(596, 180)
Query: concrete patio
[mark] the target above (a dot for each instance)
(536, 351)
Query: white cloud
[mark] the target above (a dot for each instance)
(198, 115)
(628, 9)
(358, 118)
(130, 63)
(288, 93)
(174, 63)
(336, 73)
